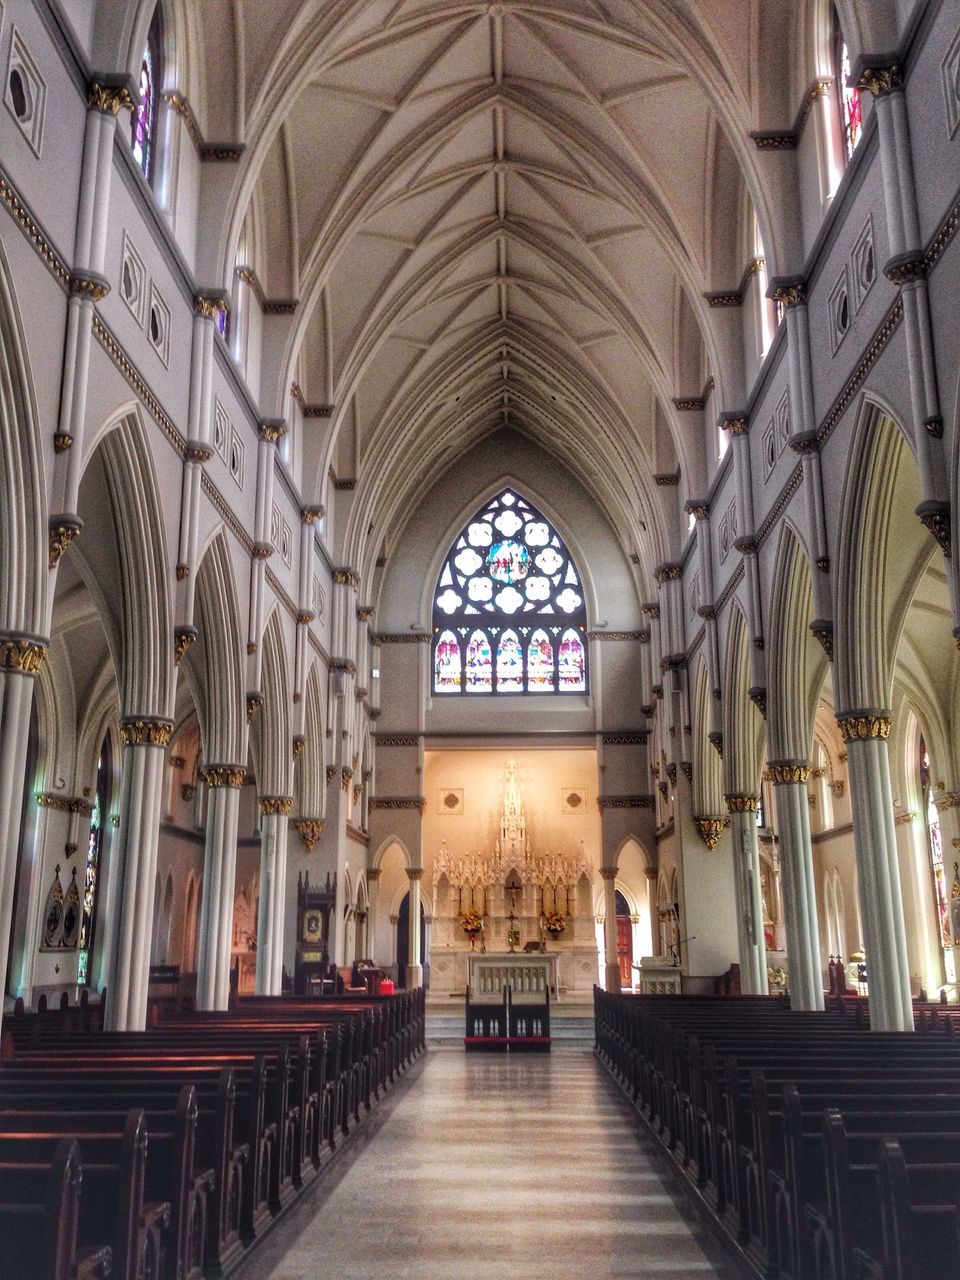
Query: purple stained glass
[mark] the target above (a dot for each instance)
(540, 664)
(446, 669)
(479, 665)
(572, 663)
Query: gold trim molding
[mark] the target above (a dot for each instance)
(310, 830)
(22, 653)
(742, 804)
(782, 774)
(281, 805)
(862, 726)
(224, 775)
(710, 830)
(146, 731)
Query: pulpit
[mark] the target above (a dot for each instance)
(659, 976)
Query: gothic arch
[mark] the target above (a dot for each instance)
(743, 732)
(707, 792)
(215, 660)
(796, 664)
(385, 845)
(311, 789)
(270, 737)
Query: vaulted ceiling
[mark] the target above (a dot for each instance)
(497, 214)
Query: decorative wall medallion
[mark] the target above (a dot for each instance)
(573, 800)
(450, 801)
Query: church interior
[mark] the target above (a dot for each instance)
(479, 626)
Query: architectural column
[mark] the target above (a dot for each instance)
(612, 981)
(746, 869)
(219, 878)
(373, 894)
(274, 812)
(878, 869)
(799, 893)
(144, 741)
(20, 660)
(414, 974)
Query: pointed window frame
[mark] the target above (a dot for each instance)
(508, 570)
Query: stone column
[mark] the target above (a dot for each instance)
(394, 922)
(274, 811)
(878, 869)
(219, 878)
(414, 967)
(20, 660)
(652, 876)
(799, 893)
(746, 869)
(144, 740)
(373, 893)
(612, 980)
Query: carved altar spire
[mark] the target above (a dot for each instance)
(514, 847)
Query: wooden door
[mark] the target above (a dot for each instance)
(625, 950)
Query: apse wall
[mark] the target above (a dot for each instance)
(406, 599)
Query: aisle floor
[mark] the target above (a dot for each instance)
(489, 1167)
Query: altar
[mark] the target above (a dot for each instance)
(528, 975)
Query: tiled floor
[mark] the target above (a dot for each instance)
(494, 1168)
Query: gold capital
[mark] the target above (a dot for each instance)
(23, 654)
(224, 775)
(783, 773)
(310, 830)
(710, 830)
(741, 804)
(858, 726)
(146, 731)
(110, 98)
(275, 804)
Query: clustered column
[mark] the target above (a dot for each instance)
(799, 893)
(219, 876)
(878, 869)
(746, 871)
(274, 815)
(612, 965)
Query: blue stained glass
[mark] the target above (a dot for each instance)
(508, 561)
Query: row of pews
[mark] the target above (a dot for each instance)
(165, 1154)
(824, 1151)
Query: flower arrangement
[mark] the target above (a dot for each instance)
(777, 977)
(471, 923)
(554, 923)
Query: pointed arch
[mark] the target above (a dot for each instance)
(743, 733)
(270, 737)
(796, 664)
(707, 781)
(311, 791)
(215, 660)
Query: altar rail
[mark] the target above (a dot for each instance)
(528, 976)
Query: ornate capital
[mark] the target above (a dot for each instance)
(758, 696)
(89, 285)
(346, 578)
(651, 610)
(281, 805)
(880, 81)
(183, 638)
(149, 731)
(272, 430)
(310, 515)
(414, 873)
(947, 800)
(789, 292)
(782, 772)
(699, 508)
(905, 268)
(364, 614)
(822, 628)
(856, 726)
(667, 573)
(62, 442)
(736, 423)
(608, 873)
(710, 830)
(209, 305)
(716, 741)
(254, 703)
(310, 830)
(22, 653)
(935, 516)
(346, 776)
(197, 451)
(110, 98)
(63, 530)
(224, 775)
(805, 442)
(689, 404)
(261, 551)
(65, 804)
(741, 804)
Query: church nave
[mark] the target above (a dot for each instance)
(495, 1168)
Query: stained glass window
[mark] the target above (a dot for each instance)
(941, 889)
(848, 97)
(92, 863)
(508, 612)
(144, 121)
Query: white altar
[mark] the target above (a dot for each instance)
(529, 975)
(511, 895)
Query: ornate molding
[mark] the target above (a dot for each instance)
(651, 610)
(281, 805)
(734, 298)
(881, 80)
(310, 515)
(667, 573)
(346, 776)
(364, 614)
(149, 731)
(666, 479)
(110, 97)
(209, 305)
(22, 653)
(254, 703)
(625, 802)
(856, 726)
(396, 740)
(737, 424)
(767, 140)
(272, 429)
(741, 803)
(64, 804)
(261, 551)
(183, 638)
(758, 696)
(310, 830)
(935, 516)
(783, 772)
(689, 404)
(343, 664)
(346, 578)
(710, 830)
(63, 530)
(624, 739)
(791, 292)
(196, 451)
(905, 268)
(42, 245)
(224, 775)
(299, 742)
(822, 628)
(399, 802)
(89, 285)
(673, 662)
(403, 637)
(947, 800)
(640, 636)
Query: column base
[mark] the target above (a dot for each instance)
(414, 976)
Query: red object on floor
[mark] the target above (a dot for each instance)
(386, 987)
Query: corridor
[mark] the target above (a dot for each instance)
(494, 1168)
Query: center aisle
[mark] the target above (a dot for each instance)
(490, 1167)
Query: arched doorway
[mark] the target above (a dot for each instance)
(403, 939)
(624, 940)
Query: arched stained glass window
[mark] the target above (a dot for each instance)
(144, 122)
(848, 97)
(943, 892)
(509, 607)
(91, 871)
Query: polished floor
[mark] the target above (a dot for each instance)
(494, 1168)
